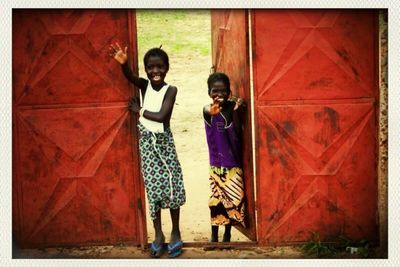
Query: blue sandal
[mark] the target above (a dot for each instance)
(174, 250)
(156, 250)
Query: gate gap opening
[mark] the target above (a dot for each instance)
(186, 36)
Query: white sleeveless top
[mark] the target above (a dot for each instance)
(152, 102)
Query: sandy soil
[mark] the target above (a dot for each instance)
(127, 252)
(189, 253)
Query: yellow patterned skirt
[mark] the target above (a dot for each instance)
(226, 202)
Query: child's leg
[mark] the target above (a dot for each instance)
(214, 233)
(156, 248)
(159, 238)
(175, 243)
(175, 233)
(227, 233)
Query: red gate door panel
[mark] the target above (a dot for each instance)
(230, 55)
(315, 90)
(75, 169)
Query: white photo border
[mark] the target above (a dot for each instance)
(6, 126)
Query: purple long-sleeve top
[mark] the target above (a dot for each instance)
(223, 142)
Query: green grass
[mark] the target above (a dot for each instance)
(316, 247)
(182, 33)
(341, 248)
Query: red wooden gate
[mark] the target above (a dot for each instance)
(315, 91)
(75, 164)
(230, 55)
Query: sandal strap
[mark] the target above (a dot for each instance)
(175, 247)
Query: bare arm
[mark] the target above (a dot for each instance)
(166, 109)
(120, 55)
(238, 114)
(133, 78)
(206, 113)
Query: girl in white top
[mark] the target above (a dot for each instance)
(153, 102)
(159, 163)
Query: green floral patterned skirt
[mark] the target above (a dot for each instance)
(161, 170)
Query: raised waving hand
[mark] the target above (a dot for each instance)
(119, 54)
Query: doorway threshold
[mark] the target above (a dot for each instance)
(210, 245)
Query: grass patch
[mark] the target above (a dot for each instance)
(182, 33)
(344, 247)
(316, 247)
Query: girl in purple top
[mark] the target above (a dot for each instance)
(222, 124)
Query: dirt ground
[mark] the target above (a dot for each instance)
(189, 253)
(129, 252)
